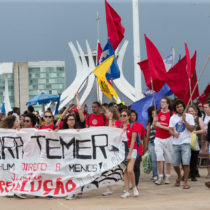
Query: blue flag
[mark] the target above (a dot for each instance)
(142, 105)
(3, 110)
(114, 71)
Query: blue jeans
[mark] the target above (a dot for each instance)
(151, 148)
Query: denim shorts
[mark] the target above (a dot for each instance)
(181, 154)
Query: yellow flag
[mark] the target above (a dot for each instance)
(100, 72)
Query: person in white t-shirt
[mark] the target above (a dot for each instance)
(180, 127)
(206, 108)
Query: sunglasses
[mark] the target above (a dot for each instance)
(48, 116)
(27, 121)
(123, 115)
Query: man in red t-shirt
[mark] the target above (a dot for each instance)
(96, 118)
(163, 141)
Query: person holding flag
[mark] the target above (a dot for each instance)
(180, 127)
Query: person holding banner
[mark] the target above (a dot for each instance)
(29, 121)
(69, 122)
(10, 122)
(112, 115)
(180, 127)
(48, 119)
(132, 153)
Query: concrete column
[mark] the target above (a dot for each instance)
(21, 85)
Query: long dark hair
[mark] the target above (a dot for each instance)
(149, 111)
(8, 122)
(65, 125)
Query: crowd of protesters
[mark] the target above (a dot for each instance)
(167, 136)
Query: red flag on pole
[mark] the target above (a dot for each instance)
(206, 93)
(114, 26)
(193, 76)
(153, 67)
(177, 80)
(99, 51)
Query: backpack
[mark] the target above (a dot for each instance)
(103, 115)
(138, 138)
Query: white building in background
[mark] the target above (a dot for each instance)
(28, 79)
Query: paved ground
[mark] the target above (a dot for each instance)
(151, 197)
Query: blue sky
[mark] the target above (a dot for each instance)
(41, 30)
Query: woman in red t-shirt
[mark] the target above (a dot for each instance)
(48, 119)
(69, 122)
(132, 154)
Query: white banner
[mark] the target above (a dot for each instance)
(48, 163)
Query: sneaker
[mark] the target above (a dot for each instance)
(108, 192)
(22, 196)
(135, 192)
(155, 178)
(159, 181)
(70, 197)
(125, 195)
(167, 181)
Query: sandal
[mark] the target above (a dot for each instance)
(185, 187)
(177, 183)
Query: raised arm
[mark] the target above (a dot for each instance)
(79, 107)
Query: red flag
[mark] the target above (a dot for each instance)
(99, 51)
(144, 66)
(177, 80)
(153, 67)
(188, 66)
(206, 93)
(193, 77)
(114, 26)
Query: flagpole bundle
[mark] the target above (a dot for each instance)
(203, 69)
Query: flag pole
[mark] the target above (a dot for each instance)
(98, 33)
(203, 69)
(190, 91)
(84, 81)
(153, 94)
